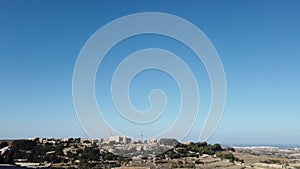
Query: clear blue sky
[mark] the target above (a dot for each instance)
(258, 42)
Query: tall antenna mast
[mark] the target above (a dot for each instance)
(142, 136)
(109, 134)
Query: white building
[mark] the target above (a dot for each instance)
(152, 141)
(119, 139)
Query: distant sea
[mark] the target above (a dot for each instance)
(280, 146)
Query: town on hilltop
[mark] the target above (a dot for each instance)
(126, 153)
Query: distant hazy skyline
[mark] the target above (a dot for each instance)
(258, 42)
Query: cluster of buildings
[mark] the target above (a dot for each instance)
(126, 140)
(118, 139)
(115, 139)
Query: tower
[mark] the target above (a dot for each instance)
(109, 134)
(142, 136)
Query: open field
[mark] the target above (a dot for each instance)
(213, 162)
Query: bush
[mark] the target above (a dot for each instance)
(228, 156)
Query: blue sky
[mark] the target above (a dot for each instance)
(257, 41)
